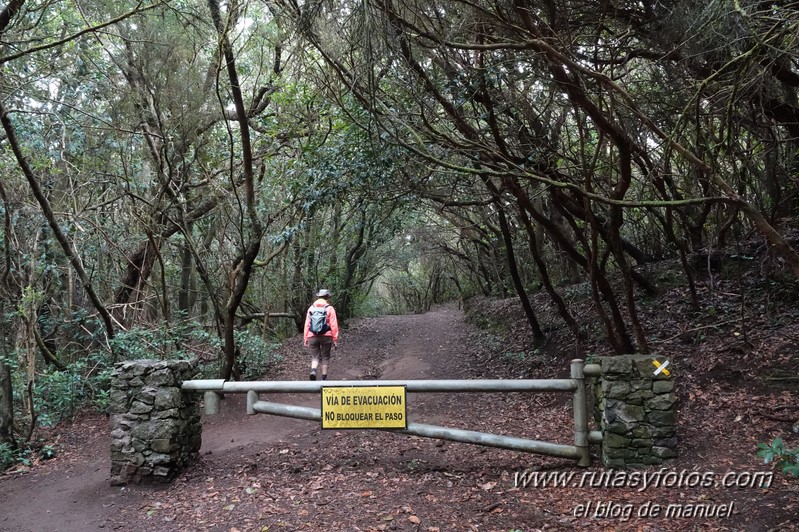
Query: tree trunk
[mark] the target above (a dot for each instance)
(6, 300)
(140, 266)
(67, 247)
(535, 251)
(186, 281)
(6, 397)
(242, 266)
(513, 269)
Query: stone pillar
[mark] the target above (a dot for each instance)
(155, 427)
(636, 412)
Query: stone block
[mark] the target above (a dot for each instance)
(615, 452)
(195, 442)
(616, 440)
(137, 407)
(618, 365)
(664, 452)
(661, 402)
(139, 445)
(160, 459)
(119, 433)
(161, 378)
(168, 399)
(147, 395)
(625, 412)
(644, 367)
(639, 397)
(162, 445)
(614, 463)
(666, 431)
(662, 418)
(172, 413)
(663, 386)
(637, 410)
(161, 471)
(156, 428)
(666, 442)
(620, 427)
(118, 401)
(616, 389)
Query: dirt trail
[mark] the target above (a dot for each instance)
(259, 473)
(72, 492)
(393, 347)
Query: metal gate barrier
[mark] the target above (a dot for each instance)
(575, 384)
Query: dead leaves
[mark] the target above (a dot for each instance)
(379, 481)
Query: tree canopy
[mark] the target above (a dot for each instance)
(189, 173)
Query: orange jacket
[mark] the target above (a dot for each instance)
(332, 321)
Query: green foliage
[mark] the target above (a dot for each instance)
(369, 307)
(776, 452)
(86, 383)
(406, 292)
(47, 452)
(58, 394)
(24, 455)
(172, 340)
(8, 456)
(256, 356)
(96, 387)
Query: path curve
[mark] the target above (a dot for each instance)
(73, 492)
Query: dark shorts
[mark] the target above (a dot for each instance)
(319, 347)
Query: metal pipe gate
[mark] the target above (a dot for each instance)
(575, 384)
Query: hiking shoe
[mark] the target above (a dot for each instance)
(313, 375)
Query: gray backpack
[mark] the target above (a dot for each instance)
(318, 323)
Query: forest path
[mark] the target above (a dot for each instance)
(266, 473)
(72, 492)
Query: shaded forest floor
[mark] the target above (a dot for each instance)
(735, 369)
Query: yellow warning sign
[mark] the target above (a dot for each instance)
(364, 407)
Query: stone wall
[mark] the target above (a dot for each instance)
(636, 412)
(155, 427)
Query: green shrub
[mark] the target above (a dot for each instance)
(780, 455)
(7, 456)
(25, 454)
(59, 394)
(10, 456)
(175, 340)
(86, 383)
(256, 356)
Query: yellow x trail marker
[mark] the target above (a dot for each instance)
(661, 368)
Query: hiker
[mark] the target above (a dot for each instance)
(321, 332)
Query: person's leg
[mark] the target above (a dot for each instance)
(325, 343)
(314, 350)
